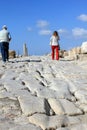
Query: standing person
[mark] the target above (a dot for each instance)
(55, 45)
(5, 38)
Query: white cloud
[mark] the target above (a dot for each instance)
(79, 32)
(45, 32)
(42, 23)
(29, 29)
(61, 31)
(83, 17)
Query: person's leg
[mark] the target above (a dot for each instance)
(52, 47)
(7, 51)
(3, 52)
(57, 53)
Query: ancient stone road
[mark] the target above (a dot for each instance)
(37, 93)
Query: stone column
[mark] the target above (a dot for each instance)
(25, 50)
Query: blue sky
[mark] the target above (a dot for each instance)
(33, 22)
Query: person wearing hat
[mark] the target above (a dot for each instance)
(5, 38)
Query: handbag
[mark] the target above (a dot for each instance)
(58, 46)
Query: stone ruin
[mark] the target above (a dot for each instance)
(75, 53)
(12, 54)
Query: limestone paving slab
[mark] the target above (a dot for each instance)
(25, 127)
(43, 94)
(30, 105)
(53, 122)
(63, 106)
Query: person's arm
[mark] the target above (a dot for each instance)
(9, 36)
(50, 41)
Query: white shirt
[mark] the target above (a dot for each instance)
(5, 36)
(54, 41)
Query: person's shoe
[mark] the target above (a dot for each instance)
(7, 61)
(3, 63)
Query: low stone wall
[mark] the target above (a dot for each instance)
(84, 48)
(75, 53)
(12, 54)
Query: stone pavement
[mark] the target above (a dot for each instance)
(37, 93)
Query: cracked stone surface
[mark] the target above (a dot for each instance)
(37, 93)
